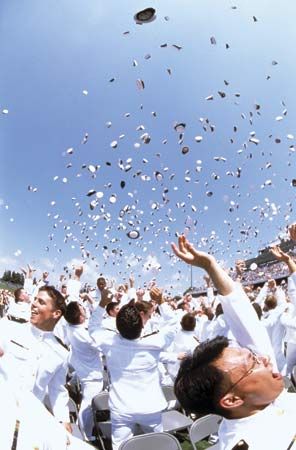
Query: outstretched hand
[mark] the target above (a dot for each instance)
(186, 251)
(279, 254)
(28, 273)
(156, 295)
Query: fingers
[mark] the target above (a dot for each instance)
(176, 250)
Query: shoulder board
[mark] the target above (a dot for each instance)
(62, 343)
(150, 334)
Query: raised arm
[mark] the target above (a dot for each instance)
(238, 311)
(186, 251)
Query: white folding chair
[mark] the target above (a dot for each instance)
(203, 427)
(77, 429)
(172, 419)
(148, 441)
(101, 415)
(175, 421)
(170, 397)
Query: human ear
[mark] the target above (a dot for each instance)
(57, 314)
(230, 401)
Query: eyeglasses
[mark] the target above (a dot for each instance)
(256, 361)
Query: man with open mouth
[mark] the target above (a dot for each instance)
(33, 359)
(238, 381)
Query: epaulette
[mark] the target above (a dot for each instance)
(62, 343)
(150, 334)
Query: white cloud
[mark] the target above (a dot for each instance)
(131, 260)
(47, 263)
(151, 264)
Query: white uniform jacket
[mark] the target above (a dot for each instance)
(34, 361)
(133, 365)
(272, 428)
(84, 355)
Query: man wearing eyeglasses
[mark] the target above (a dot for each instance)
(239, 381)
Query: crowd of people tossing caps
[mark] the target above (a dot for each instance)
(226, 353)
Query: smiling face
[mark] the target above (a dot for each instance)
(253, 382)
(44, 314)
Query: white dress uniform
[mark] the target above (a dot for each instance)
(273, 428)
(109, 323)
(19, 310)
(34, 361)
(86, 360)
(27, 425)
(288, 319)
(218, 326)
(276, 331)
(185, 341)
(135, 394)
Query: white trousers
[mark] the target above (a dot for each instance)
(124, 425)
(89, 390)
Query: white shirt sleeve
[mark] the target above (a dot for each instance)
(244, 323)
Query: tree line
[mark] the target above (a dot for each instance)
(13, 277)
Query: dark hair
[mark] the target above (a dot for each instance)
(181, 305)
(111, 306)
(56, 296)
(17, 294)
(101, 279)
(188, 322)
(72, 314)
(270, 302)
(258, 309)
(219, 310)
(129, 321)
(143, 306)
(199, 385)
(208, 312)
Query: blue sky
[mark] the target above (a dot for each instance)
(57, 60)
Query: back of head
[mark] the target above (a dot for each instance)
(270, 302)
(72, 314)
(129, 322)
(188, 322)
(199, 384)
